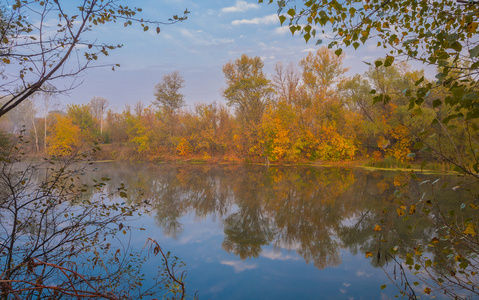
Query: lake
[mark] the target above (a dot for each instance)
(277, 232)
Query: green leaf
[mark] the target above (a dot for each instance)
(383, 287)
(338, 52)
(456, 46)
(123, 195)
(470, 96)
(389, 61)
(419, 81)
(428, 263)
(474, 52)
(436, 103)
(378, 63)
(282, 19)
(319, 42)
(306, 37)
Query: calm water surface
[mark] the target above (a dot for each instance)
(256, 232)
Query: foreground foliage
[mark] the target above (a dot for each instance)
(39, 57)
(61, 236)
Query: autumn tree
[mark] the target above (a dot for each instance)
(167, 93)
(287, 84)
(81, 115)
(98, 106)
(321, 71)
(64, 138)
(248, 89)
(37, 55)
(441, 34)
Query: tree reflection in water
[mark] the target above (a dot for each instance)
(314, 211)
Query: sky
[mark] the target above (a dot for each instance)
(215, 33)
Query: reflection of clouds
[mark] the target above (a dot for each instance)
(239, 266)
(343, 291)
(346, 284)
(273, 255)
(216, 289)
(185, 240)
(288, 245)
(362, 273)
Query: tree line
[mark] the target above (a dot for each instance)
(305, 112)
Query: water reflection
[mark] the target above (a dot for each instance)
(313, 211)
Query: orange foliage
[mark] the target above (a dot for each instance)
(183, 148)
(402, 147)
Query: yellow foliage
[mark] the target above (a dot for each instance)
(402, 147)
(183, 148)
(334, 146)
(279, 138)
(470, 230)
(65, 137)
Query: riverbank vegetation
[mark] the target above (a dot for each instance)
(306, 113)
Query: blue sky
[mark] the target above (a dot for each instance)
(215, 33)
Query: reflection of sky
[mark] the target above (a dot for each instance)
(279, 271)
(275, 274)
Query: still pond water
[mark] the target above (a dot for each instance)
(257, 232)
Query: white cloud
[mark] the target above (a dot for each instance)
(240, 6)
(270, 19)
(309, 50)
(186, 33)
(282, 30)
(238, 266)
(198, 37)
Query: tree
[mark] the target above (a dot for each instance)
(81, 115)
(37, 55)
(55, 234)
(98, 106)
(441, 33)
(287, 84)
(65, 137)
(438, 33)
(321, 71)
(47, 103)
(168, 96)
(248, 89)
